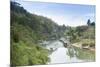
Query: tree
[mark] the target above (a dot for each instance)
(71, 33)
(88, 22)
(93, 24)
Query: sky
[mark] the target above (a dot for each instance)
(60, 13)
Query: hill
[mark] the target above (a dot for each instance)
(26, 31)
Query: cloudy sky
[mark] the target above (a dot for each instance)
(68, 14)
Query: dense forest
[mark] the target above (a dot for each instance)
(27, 30)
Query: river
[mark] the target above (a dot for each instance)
(60, 54)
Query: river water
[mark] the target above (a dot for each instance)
(60, 54)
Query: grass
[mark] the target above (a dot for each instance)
(21, 54)
(88, 42)
(85, 54)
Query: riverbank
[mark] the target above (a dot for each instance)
(79, 45)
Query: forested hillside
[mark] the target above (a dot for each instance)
(26, 30)
(84, 35)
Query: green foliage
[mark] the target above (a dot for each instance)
(26, 30)
(79, 33)
(23, 54)
(86, 55)
(16, 37)
(17, 8)
(73, 34)
(88, 42)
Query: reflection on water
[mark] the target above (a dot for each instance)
(60, 54)
(85, 55)
(71, 52)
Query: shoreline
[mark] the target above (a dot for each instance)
(79, 45)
